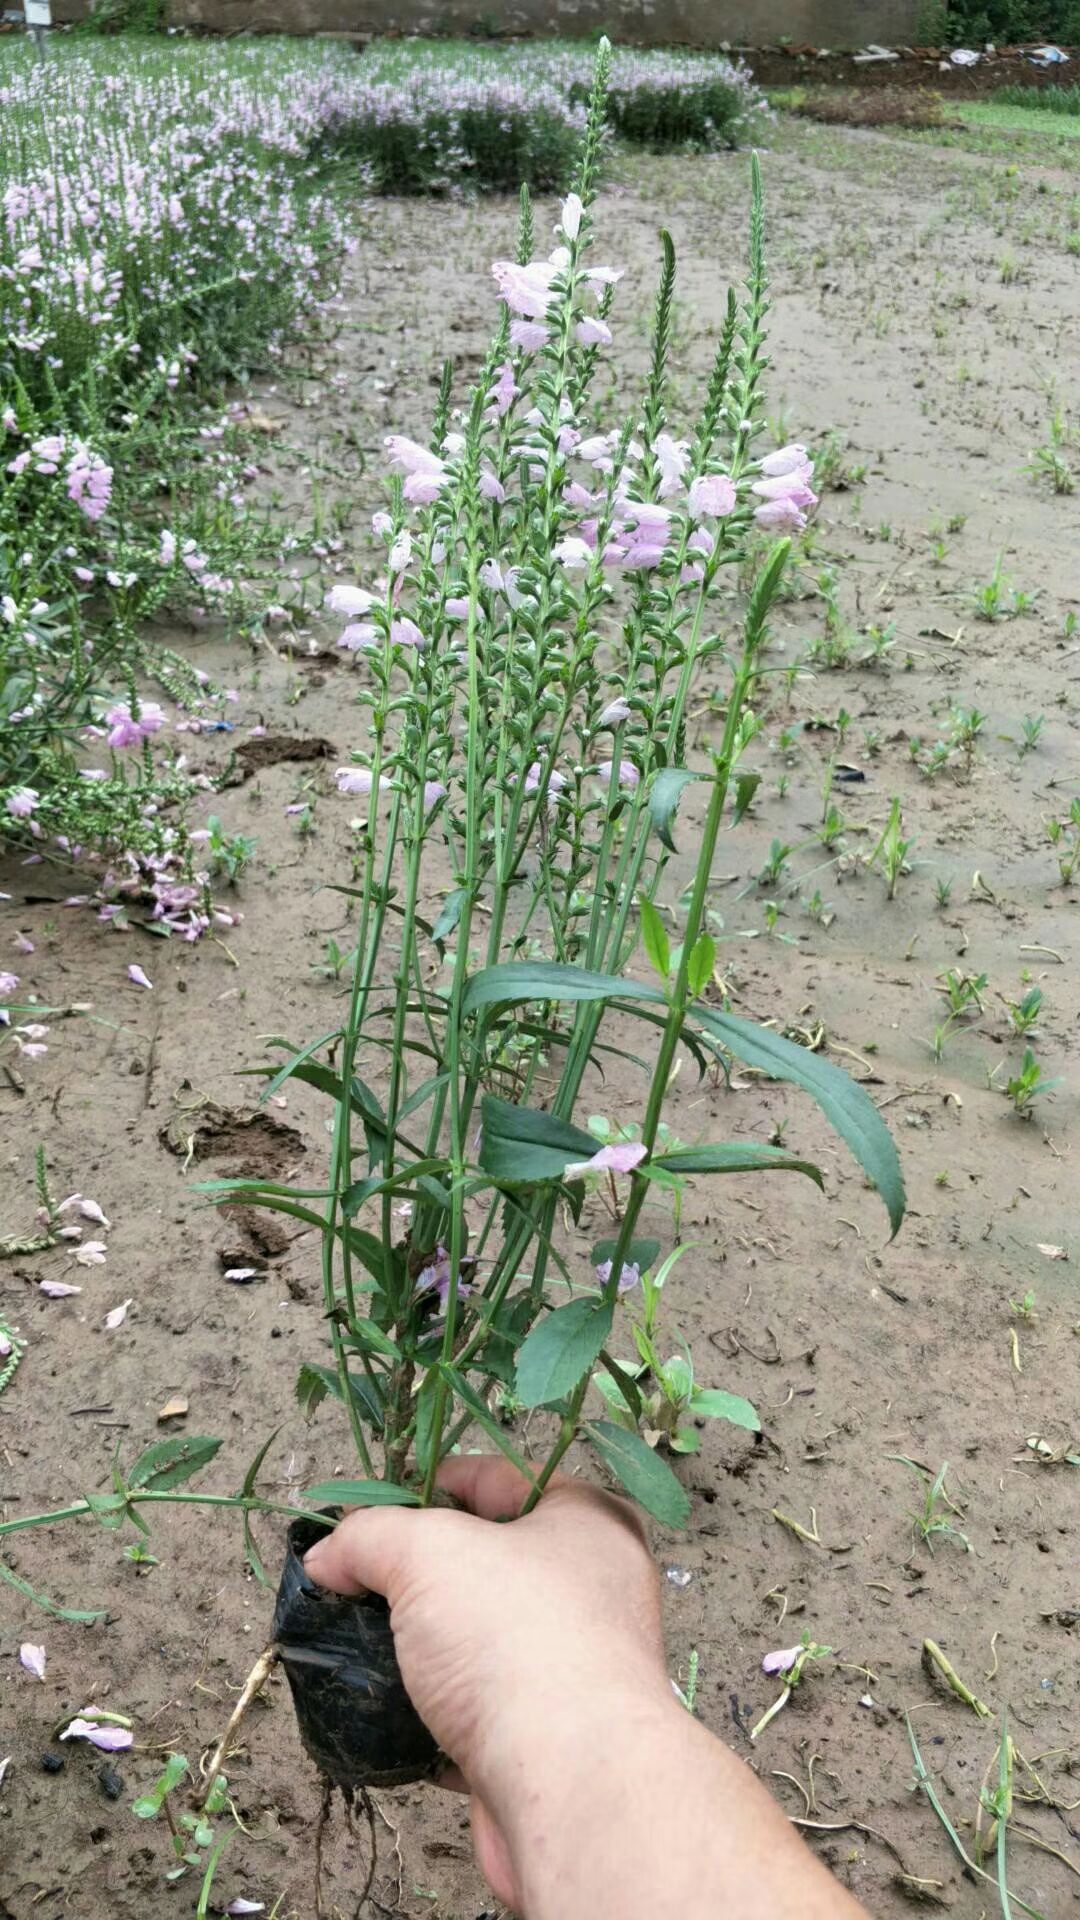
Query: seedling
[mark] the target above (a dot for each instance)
(932, 1520)
(831, 828)
(842, 723)
(942, 893)
(1031, 729)
(776, 865)
(1023, 1309)
(196, 1841)
(963, 992)
(1064, 837)
(330, 967)
(1024, 1013)
(998, 599)
(1048, 462)
(792, 1664)
(229, 853)
(1027, 1086)
(891, 852)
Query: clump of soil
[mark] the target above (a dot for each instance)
(262, 1148)
(269, 749)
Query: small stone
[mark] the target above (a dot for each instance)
(112, 1783)
(678, 1577)
(52, 1763)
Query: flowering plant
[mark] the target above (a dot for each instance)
(526, 660)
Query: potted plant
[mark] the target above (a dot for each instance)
(529, 652)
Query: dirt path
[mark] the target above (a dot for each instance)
(894, 326)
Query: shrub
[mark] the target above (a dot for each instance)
(1012, 22)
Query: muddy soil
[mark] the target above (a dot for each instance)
(895, 326)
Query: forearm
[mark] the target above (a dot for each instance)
(637, 1813)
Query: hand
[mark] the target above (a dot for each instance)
(507, 1634)
(533, 1651)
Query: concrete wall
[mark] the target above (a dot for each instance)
(701, 23)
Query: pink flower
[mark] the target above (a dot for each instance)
(57, 1289)
(671, 456)
(381, 525)
(529, 335)
(782, 1661)
(401, 552)
(787, 486)
(556, 781)
(138, 978)
(109, 1739)
(358, 634)
(436, 1277)
(573, 551)
(570, 221)
(711, 493)
(167, 549)
(505, 390)
(8, 984)
(623, 1157)
(21, 802)
(593, 332)
(84, 574)
(424, 471)
(780, 516)
(786, 460)
(526, 290)
(357, 780)
(434, 791)
(117, 1317)
(128, 729)
(457, 608)
(349, 600)
(491, 486)
(33, 1659)
(628, 775)
(629, 1276)
(405, 633)
(615, 714)
(91, 1253)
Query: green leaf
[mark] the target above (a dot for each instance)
(702, 961)
(423, 1434)
(664, 797)
(484, 1418)
(109, 1508)
(354, 1197)
(520, 1145)
(654, 936)
(361, 1493)
(647, 1478)
(251, 1551)
(711, 1403)
(449, 917)
(624, 1385)
(168, 1463)
(844, 1104)
(81, 1616)
(735, 1156)
(365, 1334)
(298, 1058)
(746, 785)
(560, 1349)
(549, 980)
(313, 1383)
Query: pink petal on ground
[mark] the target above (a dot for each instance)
(781, 1661)
(621, 1158)
(56, 1289)
(91, 1253)
(91, 1211)
(109, 1739)
(245, 1906)
(138, 977)
(118, 1315)
(33, 1658)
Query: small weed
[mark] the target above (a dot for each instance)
(229, 853)
(331, 965)
(1027, 1086)
(831, 829)
(1031, 731)
(1064, 837)
(1024, 1013)
(776, 865)
(932, 1520)
(871, 743)
(891, 852)
(998, 599)
(942, 893)
(1023, 1309)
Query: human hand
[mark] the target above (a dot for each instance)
(509, 1636)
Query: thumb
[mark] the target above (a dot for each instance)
(368, 1551)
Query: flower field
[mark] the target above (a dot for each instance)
(594, 673)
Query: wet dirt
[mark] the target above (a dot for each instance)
(894, 326)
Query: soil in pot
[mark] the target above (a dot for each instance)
(356, 1719)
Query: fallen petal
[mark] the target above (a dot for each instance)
(109, 1739)
(33, 1658)
(118, 1315)
(782, 1661)
(91, 1253)
(138, 977)
(91, 1211)
(57, 1289)
(245, 1906)
(1052, 1253)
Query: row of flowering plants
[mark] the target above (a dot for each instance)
(159, 230)
(528, 653)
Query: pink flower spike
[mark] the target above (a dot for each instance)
(118, 1315)
(623, 1157)
(33, 1659)
(109, 1739)
(138, 977)
(782, 1661)
(57, 1289)
(91, 1253)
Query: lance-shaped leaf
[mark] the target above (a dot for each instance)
(560, 1349)
(520, 1146)
(735, 1156)
(842, 1101)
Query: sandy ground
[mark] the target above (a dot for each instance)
(924, 303)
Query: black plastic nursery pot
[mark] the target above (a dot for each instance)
(355, 1718)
